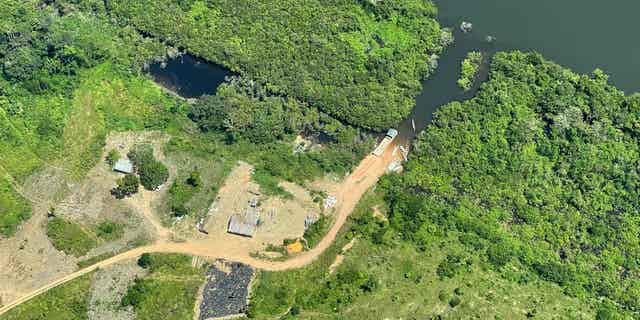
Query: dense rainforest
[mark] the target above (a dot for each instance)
(359, 61)
(521, 202)
(538, 175)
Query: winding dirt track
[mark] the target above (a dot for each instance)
(349, 193)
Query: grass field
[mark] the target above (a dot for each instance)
(13, 208)
(169, 291)
(69, 301)
(70, 237)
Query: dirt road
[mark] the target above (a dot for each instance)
(348, 194)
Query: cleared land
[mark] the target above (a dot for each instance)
(238, 249)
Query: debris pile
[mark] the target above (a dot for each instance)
(226, 293)
(330, 202)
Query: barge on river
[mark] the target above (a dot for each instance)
(386, 141)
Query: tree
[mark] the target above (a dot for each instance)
(112, 157)
(153, 175)
(151, 171)
(194, 179)
(127, 186)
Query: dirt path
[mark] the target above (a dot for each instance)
(348, 194)
(142, 202)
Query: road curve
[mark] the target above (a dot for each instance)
(348, 194)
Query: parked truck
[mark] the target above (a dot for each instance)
(386, 141)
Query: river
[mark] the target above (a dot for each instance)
(578, 34)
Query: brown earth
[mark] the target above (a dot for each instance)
(28, 259)
(232, 248)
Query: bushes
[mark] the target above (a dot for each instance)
(151, 171)
(109, 230)
(469, 69)
(181, 192)
(452, 265)
(127, 186)
(69, 237)
(112, 157)
(316, 231)
(169, 291)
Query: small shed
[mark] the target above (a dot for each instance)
(123, 166)
(244, 224)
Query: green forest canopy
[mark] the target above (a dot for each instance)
(359, 61)
(538, 174)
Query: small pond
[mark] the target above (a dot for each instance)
(189, 76)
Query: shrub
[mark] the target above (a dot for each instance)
(455, 301)
(194, 179)
(112, 157)
(179, 194)
(469, 69)
(153, 175)
(127, 186)
(316, 231)
(451, 266)
(109, 230)
(69, 237)
(151, 171)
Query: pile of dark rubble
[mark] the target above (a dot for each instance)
(225, 294)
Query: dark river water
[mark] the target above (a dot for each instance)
(579, 34)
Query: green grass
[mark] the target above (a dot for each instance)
(269, 185)
(106, 101)
(169, 291)
(317, 231)
(70, 237)
(66, 302)
(13, 208)
(109, 230)
(213, 170)
(397, 281)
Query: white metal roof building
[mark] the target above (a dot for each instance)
(244, 224)
(123, 166)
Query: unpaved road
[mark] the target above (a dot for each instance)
(348, 194)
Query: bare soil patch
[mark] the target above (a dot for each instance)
(109, 286)
(280, 218)
(28, 260)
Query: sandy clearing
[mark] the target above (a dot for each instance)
(349, 192)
